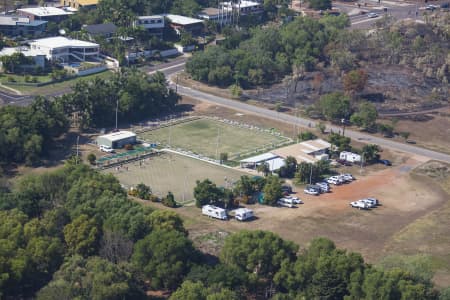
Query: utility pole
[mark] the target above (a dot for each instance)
(362, 162)
(310, 174)
(217, 145)
(78, 150)
(117, 108)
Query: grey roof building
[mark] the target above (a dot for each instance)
(106, 30)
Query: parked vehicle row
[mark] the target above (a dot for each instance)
(340, 179)
(240, 214)
(289, 201)
(365, 203)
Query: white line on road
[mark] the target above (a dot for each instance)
(365, 21)
(166, 68)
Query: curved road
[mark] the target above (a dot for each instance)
(237, 105)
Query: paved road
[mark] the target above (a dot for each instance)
(237, 105)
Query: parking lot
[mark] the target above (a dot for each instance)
(330, 214)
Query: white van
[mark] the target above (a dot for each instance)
(214, 212)
(106, 149)
(242, 214)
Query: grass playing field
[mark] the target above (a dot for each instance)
(210, 138)
(175, 173)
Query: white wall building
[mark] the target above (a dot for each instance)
(63, 50)
(45, 13)
(154, 24)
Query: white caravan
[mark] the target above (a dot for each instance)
(243, 214)
(359, 204)
(214, 212)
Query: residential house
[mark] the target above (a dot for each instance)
(182, 23)
(77, 4)
(38, 56)
(153, 24)
(64, 50)
(13, 25)
(106, 30)
(47, 13)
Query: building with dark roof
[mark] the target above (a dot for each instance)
(106, 30)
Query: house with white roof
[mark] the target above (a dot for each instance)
(38, 56)
(243, 7)
(45, 13)
(13, 25)
(182, 23)
(64, 50)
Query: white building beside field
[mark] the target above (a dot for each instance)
(116, 140)
(272, 160)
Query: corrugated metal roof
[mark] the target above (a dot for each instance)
(260, 158)
(117, 136)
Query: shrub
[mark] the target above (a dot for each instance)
(169, 200)
(91, 158)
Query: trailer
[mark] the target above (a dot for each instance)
(350, 156)
(214, 212)
(242, 214)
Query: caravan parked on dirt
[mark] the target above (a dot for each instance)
(372, 202)
(242, 214)
(214, 212)
(359, 204)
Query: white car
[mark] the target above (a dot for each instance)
(336, 180)
(359, 204)
(295, 200)
(347, 177)
(372, 15)
(311, 192)
(106, 149)
(286, 204)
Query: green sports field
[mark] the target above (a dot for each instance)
(175, 173)
(210, 138)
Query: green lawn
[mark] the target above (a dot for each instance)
(175, 173)
(51, 88)
(209, 137)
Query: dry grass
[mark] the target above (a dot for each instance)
(175, 173)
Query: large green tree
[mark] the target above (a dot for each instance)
(258, 253)
(91, 278)
(82, 236)
(272, 190)
(366, 116)
(206, 192)
(164, 256)
(334, 106)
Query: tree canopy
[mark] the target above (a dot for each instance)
(137, 95)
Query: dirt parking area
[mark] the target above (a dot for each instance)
(404, 199)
